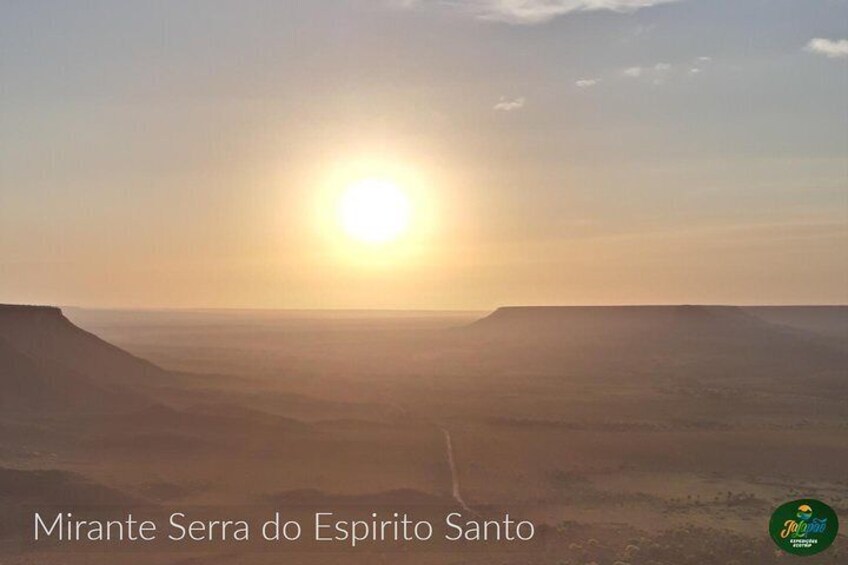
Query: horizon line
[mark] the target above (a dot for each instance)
(427, 310)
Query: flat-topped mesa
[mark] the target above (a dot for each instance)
(46, 336)
(587, 317)
(18, 312)
(610, 341)
(33, 329)
(28, 326)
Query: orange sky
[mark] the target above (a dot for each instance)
(173, 156)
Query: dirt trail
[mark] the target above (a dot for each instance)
(455, 489)
(457, 494)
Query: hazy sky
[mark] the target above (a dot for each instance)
(184, 154)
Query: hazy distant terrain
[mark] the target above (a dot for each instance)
(657, 434)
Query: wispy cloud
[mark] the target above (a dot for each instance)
(659, 73)
(533, 11)
(832, 48)
(586, 82)
(699, 65)
(510, 104)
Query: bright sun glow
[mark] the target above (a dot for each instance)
(374, 211)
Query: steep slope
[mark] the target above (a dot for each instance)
(27, 385)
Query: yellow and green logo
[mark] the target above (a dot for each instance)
(803, 527)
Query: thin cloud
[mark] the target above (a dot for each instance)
(831, 48)
(699, 64)
(533, 11)
(657, 73)
(509, 104)
(586, 82)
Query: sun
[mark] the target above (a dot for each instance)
(374, 211)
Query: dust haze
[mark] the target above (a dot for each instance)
(655, 434)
